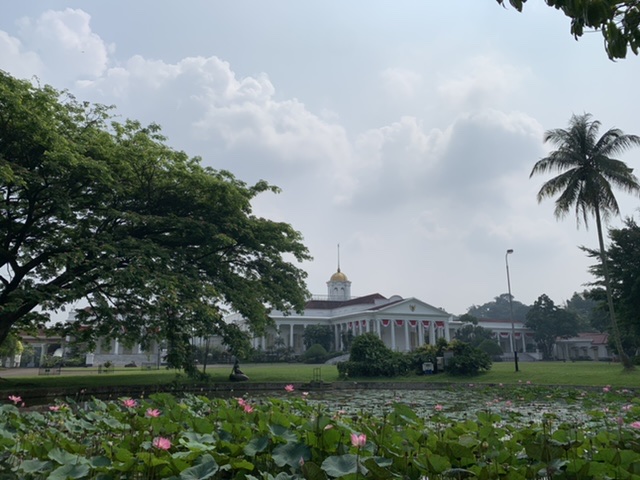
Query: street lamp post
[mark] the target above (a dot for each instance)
(513, 328)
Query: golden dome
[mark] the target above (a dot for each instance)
(338, 277)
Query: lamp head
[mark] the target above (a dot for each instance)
(509, 251)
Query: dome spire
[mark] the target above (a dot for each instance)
(339, 286)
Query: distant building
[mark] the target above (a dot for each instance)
(585, 346)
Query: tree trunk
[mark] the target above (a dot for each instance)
(626, 361)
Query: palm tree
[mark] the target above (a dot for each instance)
(587, 175)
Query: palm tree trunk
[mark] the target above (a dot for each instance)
(626, 361)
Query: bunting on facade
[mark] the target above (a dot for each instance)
(426, 323)
(363, 323)
(399, 323)
(504, 334)
(439, 324)
(413, 323)
(518, 334)
(386, 322)
(350, 325)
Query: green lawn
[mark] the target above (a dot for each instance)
(539, 373)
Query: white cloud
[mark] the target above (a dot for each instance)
(401, 82)
(480, 82)
(65, 43)
(14, 58)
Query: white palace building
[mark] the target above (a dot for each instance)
(403, 324)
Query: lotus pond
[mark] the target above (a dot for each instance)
(522, 432)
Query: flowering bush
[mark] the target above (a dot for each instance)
(298, 437)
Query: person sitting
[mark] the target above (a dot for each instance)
(237, 375)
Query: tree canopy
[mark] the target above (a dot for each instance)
(499, 309)
(617, 20)
(623, 258)
(157, 244)
(549, 322)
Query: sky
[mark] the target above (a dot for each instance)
(403, 131)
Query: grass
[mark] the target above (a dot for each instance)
(539, 373)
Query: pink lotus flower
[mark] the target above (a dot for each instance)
(241, 401)
(129, 403)
(606, 389)
(162, 443)
(635, 424)
(438, 408)
(626, 408)
(152, 412)
(528, 382)
(358, 440)
(54, 408)
(289, 388)
(247, 408)
(305, 394)
(328, 426)
(508, 403)
(15, 399)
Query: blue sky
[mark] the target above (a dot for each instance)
(404, 131)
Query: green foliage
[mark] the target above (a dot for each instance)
(474, 335)
(294, 438)
(499, 309)
(549, 322)
(467, 360)
(315, 354)
(623, 259)
(491, 347)
(11, 346)
(318, 334)
(159, 245)
(393, 365)
(370, 357)
(587, 311)
(617, 20)
(368, 348)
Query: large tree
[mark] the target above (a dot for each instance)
(157, 244)
(623, 258)
(587, 176)
(549, 322)
(617, 20)
(499, 309)
(586, 310)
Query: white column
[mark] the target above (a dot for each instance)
(432, 332)
(406, 335)
(336, 337)
(291, 335)
(378, 323)
(447, 334)
(420, 333)
(393, 334)
(116, 347)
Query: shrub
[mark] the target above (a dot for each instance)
(369, 348)
(491, 348)
(314, 354)
(467, 360)
(393, 365)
